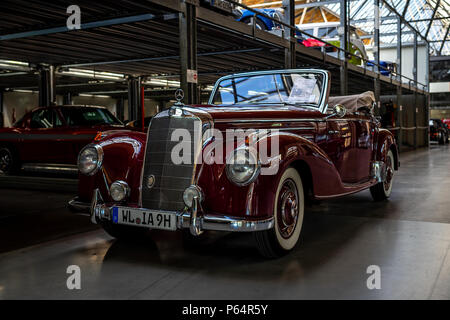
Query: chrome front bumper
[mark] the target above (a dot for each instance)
(193, 219)
(78, 206)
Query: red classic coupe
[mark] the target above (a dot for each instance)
(52, 136)
(244, 162)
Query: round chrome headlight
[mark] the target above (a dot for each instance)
(190, 193)
(242, 167)
(90, 159)
(119, 190)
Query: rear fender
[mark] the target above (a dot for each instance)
(386, 142)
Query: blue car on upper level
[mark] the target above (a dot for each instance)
(264, 23)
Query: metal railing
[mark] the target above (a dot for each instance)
(341, 52)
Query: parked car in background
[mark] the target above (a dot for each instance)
(386, 67)
(53, 135)
(438, 131)
(264, 23)
(137, 124)
(328, 31)
(298, 143)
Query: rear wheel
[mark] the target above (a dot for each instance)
(8, 161)
(288, 214)
(382, 190)
(441, 138)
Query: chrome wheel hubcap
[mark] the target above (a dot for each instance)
(287, 208)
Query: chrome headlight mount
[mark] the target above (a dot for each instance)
(90, 159)
(119, 190)
(190, 193)
(242, 167)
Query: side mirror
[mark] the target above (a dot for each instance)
(339, 110)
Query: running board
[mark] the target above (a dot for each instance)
(50, 168)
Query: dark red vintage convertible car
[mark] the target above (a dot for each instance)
(247, 161)
(51, 136)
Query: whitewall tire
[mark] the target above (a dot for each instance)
(288, 213)
(383, 190)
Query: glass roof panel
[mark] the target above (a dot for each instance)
(418, 13)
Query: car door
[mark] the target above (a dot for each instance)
(41, 140)
(340, 145)
(363, 148)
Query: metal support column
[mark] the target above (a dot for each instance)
(134, 98)
(416, 107)
(399, 47)
(188, 51)
(67, 98)
(427, 97)
(120, 109)
(46, 85)
(376, 49)
(344, 45)
(399, 119)
(289, 18)
(2, 120)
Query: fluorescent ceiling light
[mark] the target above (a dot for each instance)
(23, 91)
(93, 74)
(13, 62)
(93, 95)
(161, 82)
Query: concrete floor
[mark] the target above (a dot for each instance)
(408, 237)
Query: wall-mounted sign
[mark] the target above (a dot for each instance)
(192, 76)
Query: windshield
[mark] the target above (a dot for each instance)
(288, 88)
(88, 116)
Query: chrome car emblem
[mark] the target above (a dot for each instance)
(179, 96)
(151, 181)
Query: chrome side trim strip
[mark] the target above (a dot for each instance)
(267, 120)
(50, 167)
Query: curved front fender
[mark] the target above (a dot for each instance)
(257, 199)
(123, 159)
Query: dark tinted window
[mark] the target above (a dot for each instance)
(44, 118)
(440, 99)
(88, 116)
(440, 69)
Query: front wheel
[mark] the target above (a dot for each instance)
(288, 214)
(382, 191)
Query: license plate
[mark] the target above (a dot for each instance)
(144, 218)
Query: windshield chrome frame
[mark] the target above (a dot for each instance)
(322, 105)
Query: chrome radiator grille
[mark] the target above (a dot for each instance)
(170, 180)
